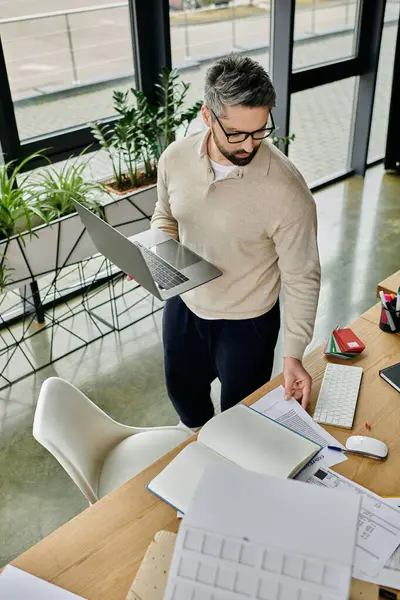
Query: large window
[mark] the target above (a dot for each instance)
(324, 31)
(64, 58)
(63, 61)
(380, 116)
(206, 32)
(211, 30)
(321, 119)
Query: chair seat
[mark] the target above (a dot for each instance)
(134, 454)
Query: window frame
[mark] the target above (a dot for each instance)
(152, 52)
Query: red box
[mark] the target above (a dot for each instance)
(348, 341)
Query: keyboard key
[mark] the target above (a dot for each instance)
(164, 274)
(212, 546)
(231, 550)
(293, 566)
(193, 540)
(313, 571)
(188, 567)
(202, 594)
(289, 591)
(249, 555)
(268, 590)
(182, 591)
(307, 595)
(225, 578)
(207, 573)
(245, 583)
(273, 561)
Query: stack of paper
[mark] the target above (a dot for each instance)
(255, 536)
(377, 557)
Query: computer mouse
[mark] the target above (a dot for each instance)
(367, 444)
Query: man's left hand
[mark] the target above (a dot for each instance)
(297, 381)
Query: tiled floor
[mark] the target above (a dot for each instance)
(359, 228)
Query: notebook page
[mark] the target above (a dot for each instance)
(254, 442)
(177, 483)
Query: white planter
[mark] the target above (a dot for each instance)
(65, 242)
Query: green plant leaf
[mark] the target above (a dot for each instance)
(136, 140)
(56, 189)
(17, 196)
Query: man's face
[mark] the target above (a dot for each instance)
(237, 119)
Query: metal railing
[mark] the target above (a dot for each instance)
(66, 14)
(187, 44)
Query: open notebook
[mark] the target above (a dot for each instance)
(241, 436)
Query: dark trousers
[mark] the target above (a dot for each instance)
(197, 351)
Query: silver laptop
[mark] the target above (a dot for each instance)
(156, 261)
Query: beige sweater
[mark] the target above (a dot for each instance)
(258, 225)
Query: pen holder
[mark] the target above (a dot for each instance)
(390, 320)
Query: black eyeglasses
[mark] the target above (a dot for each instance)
(241, 136)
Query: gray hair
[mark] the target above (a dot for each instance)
(237, 80)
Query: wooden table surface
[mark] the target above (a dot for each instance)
(390, 284)
(97, 554)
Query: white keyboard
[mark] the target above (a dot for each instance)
(215, 567)
(338, 396)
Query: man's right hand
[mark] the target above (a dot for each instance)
(129, 277)
(297, 381)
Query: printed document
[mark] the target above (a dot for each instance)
(390, 574)
(293, 415)
(378, 534)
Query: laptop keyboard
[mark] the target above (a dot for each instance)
(213, 567)
(163, 274)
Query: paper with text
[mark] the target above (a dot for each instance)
(293, 415)
(390, 574)
(378, 533)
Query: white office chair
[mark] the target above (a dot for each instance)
(98, 453)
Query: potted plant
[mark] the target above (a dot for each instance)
(136, 141)
(18, 201)
(134, 144)
(55, 189)
(60, 239)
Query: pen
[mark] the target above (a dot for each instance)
(398, 300)
(386, 307)
(359, 452)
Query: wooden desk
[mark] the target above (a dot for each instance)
(97, 554)
(389, 285)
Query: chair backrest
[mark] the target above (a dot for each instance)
(76, 431)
